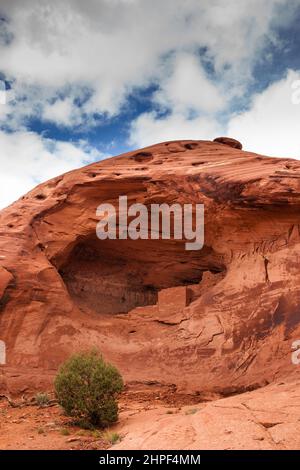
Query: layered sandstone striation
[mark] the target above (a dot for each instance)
(216, 321)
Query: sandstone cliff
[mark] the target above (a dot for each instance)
(63, 290)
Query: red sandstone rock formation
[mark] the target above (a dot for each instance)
(238, 299)
(228, 141)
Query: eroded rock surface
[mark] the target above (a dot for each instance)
(63, 290)
(265, 419)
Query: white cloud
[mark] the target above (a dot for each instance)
(62, 112)
(272, 124)
(98, 52)
(187, 89)
(111, 47)
(193, 99)
(27, 159)
(150, 128)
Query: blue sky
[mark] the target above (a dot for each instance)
(87, 80)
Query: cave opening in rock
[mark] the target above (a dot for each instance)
(115, 276)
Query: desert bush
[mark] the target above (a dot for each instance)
(42, 399)
(65, 432)
(87, 388)
(111, 437)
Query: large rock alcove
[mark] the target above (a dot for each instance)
(115, 276)
(218, 320)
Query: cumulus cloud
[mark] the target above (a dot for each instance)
(61, 112)
(272, 124)
(112, 47)
(187, 88)
(148, 129)
(26, 159)
(72, 63)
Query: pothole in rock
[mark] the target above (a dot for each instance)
(115, 276)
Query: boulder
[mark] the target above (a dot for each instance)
(229, 141)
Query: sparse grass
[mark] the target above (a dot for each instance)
(65, 432)
(42, 399)
(40, 431)
(191, 411)
(96, 434)
(111, 437)
(82, 432)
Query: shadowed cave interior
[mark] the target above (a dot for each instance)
(115, 276)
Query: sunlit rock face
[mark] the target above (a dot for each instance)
(217, 320)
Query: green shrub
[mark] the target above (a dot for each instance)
(87, 387)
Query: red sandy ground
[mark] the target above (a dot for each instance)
(24, 426)
(158, 418)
